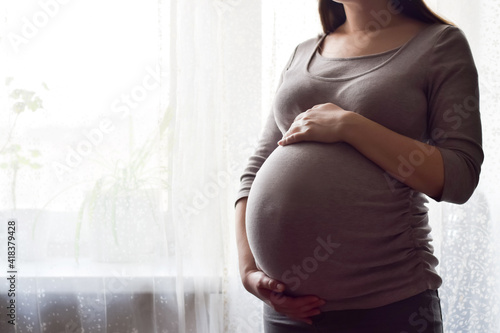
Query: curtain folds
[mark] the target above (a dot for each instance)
(215, 82)
(124, 128)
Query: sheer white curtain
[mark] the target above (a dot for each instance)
(464, 235)
(125, 126)
(468, 247)
(82, 123)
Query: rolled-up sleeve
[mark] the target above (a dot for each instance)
(453, 114)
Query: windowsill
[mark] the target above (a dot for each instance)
(66, 276)
(87, 268)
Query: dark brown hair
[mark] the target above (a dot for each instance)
(332, 13)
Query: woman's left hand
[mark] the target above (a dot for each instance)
(321, 123)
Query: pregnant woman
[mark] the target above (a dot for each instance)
(369, 117)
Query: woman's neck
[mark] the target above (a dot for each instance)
(371, 15)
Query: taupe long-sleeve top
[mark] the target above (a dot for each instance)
(326, 220)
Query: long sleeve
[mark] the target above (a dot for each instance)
(268, 142)
(453, 114)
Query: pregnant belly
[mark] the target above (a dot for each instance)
(314, 206)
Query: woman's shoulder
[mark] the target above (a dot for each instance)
(303, 49)
(316, 38)
(310, 42)
(447, 39)
(438, 42)
(439, 32)
(307, 45)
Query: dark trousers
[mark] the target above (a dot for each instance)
(418, 314)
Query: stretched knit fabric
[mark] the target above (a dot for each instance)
(327, 221)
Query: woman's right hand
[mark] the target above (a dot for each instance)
(262, 286)
(270, 291)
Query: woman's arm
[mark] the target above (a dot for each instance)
(245, 256)
(449, 168)
(265, 288)
(412, 162)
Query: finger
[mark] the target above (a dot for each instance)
(275, 285)
(285, 141)
(314, 306)
(288, 136)
(295, 304)
(300, 116)
(305, 300)
(271, 284)
(293, 138)
(293, 128)
(310, 313)
(277, 299)
(305, 311)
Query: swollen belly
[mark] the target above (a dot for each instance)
(324, 209)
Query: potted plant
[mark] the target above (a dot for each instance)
(122, 208)
(17, 158)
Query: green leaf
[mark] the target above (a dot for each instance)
(96, 194)
(27, 95)
(23, 160)
(19, 107)
(35, 104)
(35, 152)
(15, 94)
(79, 227)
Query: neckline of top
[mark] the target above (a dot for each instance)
(366, 56)
(396, 51)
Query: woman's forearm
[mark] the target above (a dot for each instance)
(245, 256)
(412, 162)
